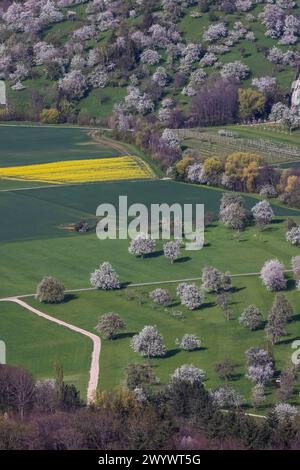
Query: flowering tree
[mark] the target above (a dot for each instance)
(50, 290)
(190, 295)
(272, 275)
(148, 343)
(260, 366)
(215, 32)
(261, 375)
(188, 374)
(284, 115)
(74, 85)
(236, 70)
(196, 173)
(215, 280)
(105, 277)
(160, 77)
(150, 57)
(285, 412)
(251, 318)
(137, 101)
(189, 342)
(160, 296)
(268, 191)
(258, 396)
(234, 216)
(296, 269)
(264, 83)
(169, 138)
(293, 236)
(226, 397)
(172, 250)
(109, 324)
(262, 213)
(142, 245)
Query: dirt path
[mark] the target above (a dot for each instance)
(95, 368)
(107, 142)
(145, 284)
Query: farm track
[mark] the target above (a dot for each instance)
(140, 284)
(95, 361)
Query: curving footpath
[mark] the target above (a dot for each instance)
(95, 368)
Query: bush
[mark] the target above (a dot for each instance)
(50, 290)
(251, 318)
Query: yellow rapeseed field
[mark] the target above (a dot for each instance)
(81, 171)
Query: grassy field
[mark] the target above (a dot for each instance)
(28, 145)
(36, 344)
(220, 338)
(33, 245)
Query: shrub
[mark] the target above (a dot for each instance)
(50, 290)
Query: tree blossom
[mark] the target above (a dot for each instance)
(189, 342)
(142, 245)
(138, 101)
(160, 296)
(268, 191)
(170, 139)
(98, 78)
(236, 70)
(215, 280)
(73, 84)
(160, 76)
(244, 5)
(251, 318)
(226, 397)
(148, 342)
(272, 275)
(285, 412)
(293, 236)
(150, 57)
(172, 249)
(208, 59)
(264, 83)
(188, 374)
(215, 32)
(262, 213)
(190, 295)
(196, 173)
(105, 277)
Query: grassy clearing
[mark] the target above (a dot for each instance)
(36, 344)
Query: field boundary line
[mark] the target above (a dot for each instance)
(140, 284)
(94, 371)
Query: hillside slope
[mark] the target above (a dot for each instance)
(81, 56)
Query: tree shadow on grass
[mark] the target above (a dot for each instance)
(125, 335)
(291, 284)
(295, 317)
(69, 298)
(287, 341)
(208, 304)
(172, 352)
(184, 259)
(155, 254)
(277, 221)
(234, 289)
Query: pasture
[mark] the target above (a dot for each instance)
(33, 244)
